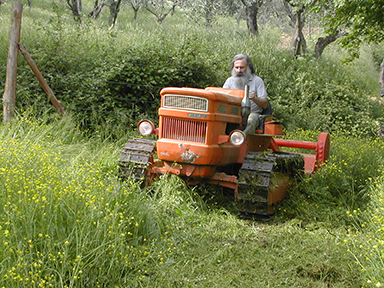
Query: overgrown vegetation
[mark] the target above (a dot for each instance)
(109, 77)
(68, 222)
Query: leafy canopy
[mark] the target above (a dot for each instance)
(363, 20)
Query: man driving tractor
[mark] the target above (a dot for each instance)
(243, 74)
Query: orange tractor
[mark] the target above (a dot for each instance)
(200, 139)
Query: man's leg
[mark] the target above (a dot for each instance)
(252, 123)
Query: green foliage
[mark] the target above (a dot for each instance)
(67, 221)
(321, 96)
(367, 243)
(342, 184)
(65, 211)
(111, 78)
(362, 20)
(149, 70)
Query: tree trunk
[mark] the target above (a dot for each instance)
(299, 45)
(324, 42)
(251, 12)
(208, 17)
(158, 13)
(95, 13)
(239, 16)
(114, 9)
(135, 12)
(382, 79)
(9, 96)
(76, 7)
(79, 6)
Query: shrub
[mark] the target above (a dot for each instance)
(109, 78)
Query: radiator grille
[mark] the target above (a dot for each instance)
(187, 130)
(185, 102)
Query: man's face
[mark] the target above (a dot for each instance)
(241, 74)
(239, 67)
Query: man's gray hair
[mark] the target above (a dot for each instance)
(241, 57)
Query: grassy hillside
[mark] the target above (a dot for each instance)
(67, 221)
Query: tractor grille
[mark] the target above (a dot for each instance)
(187, 130)
(185, 102)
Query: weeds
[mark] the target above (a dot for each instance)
(342, 184)
(67, 221)
(367, 243)
(112, 77)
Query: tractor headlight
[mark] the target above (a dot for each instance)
(146, 127)
(237, 138)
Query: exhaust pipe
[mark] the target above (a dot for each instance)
(245, 106)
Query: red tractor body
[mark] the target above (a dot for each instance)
(200, 139)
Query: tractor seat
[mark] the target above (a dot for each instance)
(266, 125)
(265, 115)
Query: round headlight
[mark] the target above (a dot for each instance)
(146, 127)
(237, 138)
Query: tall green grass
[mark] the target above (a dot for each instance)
(367, 242)
(67, 221)
(343, 183)
(347, 191)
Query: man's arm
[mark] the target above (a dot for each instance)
(261, 102)
(227, 83)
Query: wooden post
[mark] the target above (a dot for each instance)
(381, 81)
(9, 96)
(41, 79)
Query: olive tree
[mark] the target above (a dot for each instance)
(296, 10)
(136, 5)
(251, 11)
(114, 9)
(97, 7)
(160, 8)
(209, 9)
(362, 20)
(76, 7)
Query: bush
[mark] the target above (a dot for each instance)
(110, 78)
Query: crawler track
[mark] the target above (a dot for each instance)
(264, 179)
(136, 157)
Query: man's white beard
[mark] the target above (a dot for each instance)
(241, 79)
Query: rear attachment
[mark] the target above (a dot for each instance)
(312, 161)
